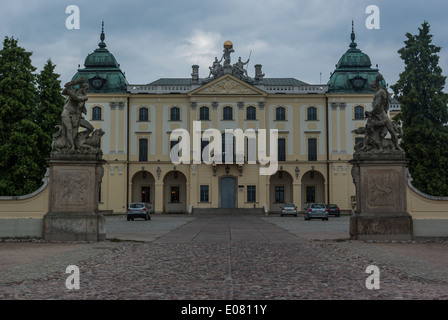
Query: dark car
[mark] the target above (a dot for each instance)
(138, 210)
(333, 209)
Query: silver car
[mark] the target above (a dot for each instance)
(289, 209)
(138, 210)
(316, 211)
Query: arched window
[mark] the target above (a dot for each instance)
(143, 114)
(359, 113)
(312, 113)
(204, 113)
(96, 113)
(175, 114)
(251, 113)
(228, 113)
(280, 113)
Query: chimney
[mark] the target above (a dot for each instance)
(195, 74)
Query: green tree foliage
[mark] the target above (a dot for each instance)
(50, 103)
(424, 113)
(22, 162)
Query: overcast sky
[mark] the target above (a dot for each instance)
(301, 39)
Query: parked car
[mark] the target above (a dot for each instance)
(139, 210)
(316, 211)
(289, 209)
(333, 209)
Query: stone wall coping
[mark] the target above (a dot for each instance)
(45, 180)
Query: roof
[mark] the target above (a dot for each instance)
(266, 81)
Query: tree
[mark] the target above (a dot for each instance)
(50, 104)
(424, 113)
(21, 169)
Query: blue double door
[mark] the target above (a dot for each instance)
(228, 192)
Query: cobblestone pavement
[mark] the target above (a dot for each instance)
(232, 258)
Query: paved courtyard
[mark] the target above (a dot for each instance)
(225, 258)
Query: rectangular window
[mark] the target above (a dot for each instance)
(279, 194)
(312, 149)
(310, 194)
(146, 194)
(204, 194)
(251, 194)
(174, 196)
(143, 149)
(281, 152)
(204, 144)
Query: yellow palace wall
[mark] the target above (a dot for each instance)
(120, 145)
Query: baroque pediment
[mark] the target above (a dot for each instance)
(227, 85)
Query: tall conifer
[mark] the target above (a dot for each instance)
(21, 169)
(424, 113)
(50, 103)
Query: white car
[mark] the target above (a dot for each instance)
(289, 209)
(138, 210)
(316, 211)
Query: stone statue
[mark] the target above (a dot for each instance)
(238, 68)
(216, 69)
(68, 139)
(226, 55)
(378, 124)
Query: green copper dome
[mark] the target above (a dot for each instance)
(353, 72)
(102, 70)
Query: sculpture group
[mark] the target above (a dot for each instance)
(237, 69)
(378, 125)
(68, 139)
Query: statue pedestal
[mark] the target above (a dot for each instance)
(381, 213)
(74, 190)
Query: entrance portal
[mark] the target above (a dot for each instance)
(228, 192)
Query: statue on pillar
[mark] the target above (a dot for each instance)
(68, 139)
(378, 125)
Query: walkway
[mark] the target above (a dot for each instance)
(226, 258)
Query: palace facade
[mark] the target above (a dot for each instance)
(315, 126)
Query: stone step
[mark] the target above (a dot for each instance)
(228, 211)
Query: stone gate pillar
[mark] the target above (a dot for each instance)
(73, 209)
(381, 212)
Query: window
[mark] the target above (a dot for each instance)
(143, 114)
(204, 113)
(228, 146)
(312, 149)
(146, 194)
(173, 143)
(204, 144)
(281, 149)
(96, 113)
(204, 194)
(175, 114)
(359, 113)
(174, 196)
(251, 113)
(312, 113)
(280, 113)
(251, 194)
(279, 194)
(228, 113)
(143, 149)
(310, 194)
